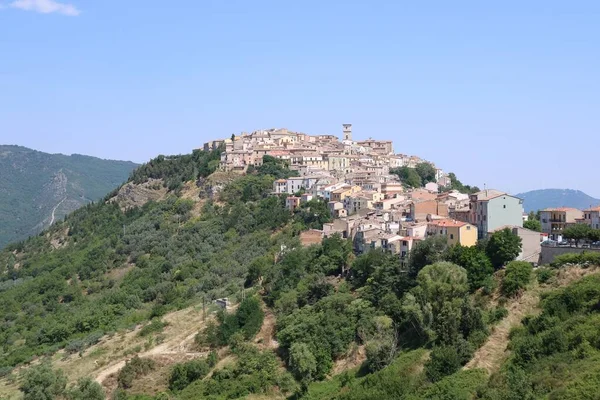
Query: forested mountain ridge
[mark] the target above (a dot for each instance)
(121, 299)
(38, 188)
(546, 198)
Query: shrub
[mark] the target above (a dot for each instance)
(184, 374)
(497, 314)
(544, 275)
(247, 321)
(75, 346)
(564, 259)
(86, 389)
(155, 326)
(443, 361)
(516, 277)
(134, 369)
(5, 371)
(42, 383)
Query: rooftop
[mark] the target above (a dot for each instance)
(561, 209)
(488, 194)
(449, 223)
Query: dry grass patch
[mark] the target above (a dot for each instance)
(494, 351)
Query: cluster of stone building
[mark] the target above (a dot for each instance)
(370, 205)
(358, 162)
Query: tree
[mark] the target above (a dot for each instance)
(577, 232)
(426, 172)
(442, 362)
(593, 235)
(408, 176)
(503, 246)
(250, 317)
(533, 224)
(43, 383)
(86, 389)
(302, 362)
(433, 307)
(516, 277)
(381, 343)
(456, 184)
(313, 214)
(426, 252)
(475, 261)
(442, 281)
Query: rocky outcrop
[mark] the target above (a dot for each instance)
(136, 195)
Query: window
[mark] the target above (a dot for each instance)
(451, 236)
(468, 227)
(504, 206)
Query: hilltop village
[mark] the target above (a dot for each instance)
(361, 183)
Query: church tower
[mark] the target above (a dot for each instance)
(347, 131)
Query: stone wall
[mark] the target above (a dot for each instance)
(549, 252)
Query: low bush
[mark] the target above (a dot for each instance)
(585, 258)
(184, 374)
(544, 275)
(443, 361)
(153, 327)
(516, 277)
(497, 314)
(5, 371)
(75, 346)
(134, 369)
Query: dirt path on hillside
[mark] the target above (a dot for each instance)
(179, 346)
(265, 338)
(54, 211)
(494, 351)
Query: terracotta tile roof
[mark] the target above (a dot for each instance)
(561, 209)
(489, 194)
(448, 223)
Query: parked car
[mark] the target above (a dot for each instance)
(563, 243)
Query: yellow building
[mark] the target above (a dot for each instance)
(341, 193)
(457, 232)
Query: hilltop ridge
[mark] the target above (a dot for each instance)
(39, 188)
(548, 198)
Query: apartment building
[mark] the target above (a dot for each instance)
(592, 217)
(491, 209)
(555, 220)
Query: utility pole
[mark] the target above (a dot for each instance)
(203, 308)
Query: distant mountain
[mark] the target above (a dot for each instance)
(38, 188)
(544, 198)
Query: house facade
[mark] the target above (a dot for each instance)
(456, 232)
(555, 220)
(491, 209)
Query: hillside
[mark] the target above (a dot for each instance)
(38, 188)
(544, 198)
(118, 299)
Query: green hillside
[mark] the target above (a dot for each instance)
(314, 322)
(33, 184)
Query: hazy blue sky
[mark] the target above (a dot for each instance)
(506, 94)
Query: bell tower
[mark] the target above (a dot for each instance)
(347, 131)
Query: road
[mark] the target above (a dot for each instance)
(54, 210)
